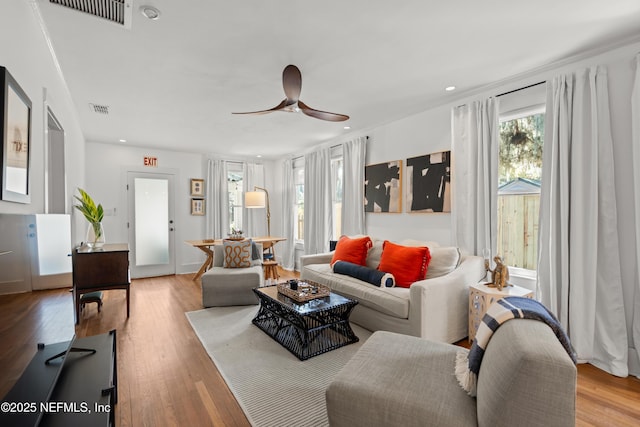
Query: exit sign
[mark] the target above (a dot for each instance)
(151, 161)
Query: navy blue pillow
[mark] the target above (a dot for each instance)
(366, 274)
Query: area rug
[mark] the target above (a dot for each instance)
(271, 385)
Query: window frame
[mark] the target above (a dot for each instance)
(235, 169)
(514, 114)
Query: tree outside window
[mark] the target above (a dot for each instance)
(519, 176)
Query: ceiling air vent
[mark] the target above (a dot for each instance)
(117, 11)
(100, 109)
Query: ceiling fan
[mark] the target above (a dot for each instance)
(292, 83)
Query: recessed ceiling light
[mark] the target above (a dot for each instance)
(150, 12)
(123, 140)
(450, 88)
(259, 155)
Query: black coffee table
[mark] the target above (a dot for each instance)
(306, 329)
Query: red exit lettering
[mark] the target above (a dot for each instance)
(151, 161)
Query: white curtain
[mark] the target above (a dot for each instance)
(475, 143)
(353, 218)
(217, 211)
(289, 217)
(255, 223)
(579, 275)
(635, 122)
(317, 201)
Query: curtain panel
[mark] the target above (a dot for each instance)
(318, 215)
(289, 216)
(579, 276)
(217, 211)
(635, 122)
(475, 139)
(353, 217)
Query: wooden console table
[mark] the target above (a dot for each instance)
(100, 270)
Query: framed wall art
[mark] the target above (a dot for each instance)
(383, 187)
(429, 183)
(197, 206)
(197, 187)
(15, 157)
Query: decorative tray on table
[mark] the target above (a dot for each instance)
(306, 291)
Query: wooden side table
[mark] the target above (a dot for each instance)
(481, 297)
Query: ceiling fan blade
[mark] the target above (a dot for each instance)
(280, 106)
(292, 83)
(322, 115)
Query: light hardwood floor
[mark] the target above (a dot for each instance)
(165, 377)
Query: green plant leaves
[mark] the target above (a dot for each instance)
(88, 207)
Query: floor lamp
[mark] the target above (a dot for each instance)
(259, 199)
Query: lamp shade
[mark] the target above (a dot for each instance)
(254, 199)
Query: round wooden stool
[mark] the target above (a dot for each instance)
(270, 269)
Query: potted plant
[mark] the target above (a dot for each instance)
(93, 214)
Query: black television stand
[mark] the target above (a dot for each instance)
(71, 350)
(72, 383)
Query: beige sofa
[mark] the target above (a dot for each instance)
(434, 308)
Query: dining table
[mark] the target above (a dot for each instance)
(206, 246)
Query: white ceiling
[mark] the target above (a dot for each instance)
(173, 83)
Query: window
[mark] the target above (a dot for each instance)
(298, 177)
(234, 186)
(336, 195)
(519, 179)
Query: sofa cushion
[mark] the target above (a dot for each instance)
(375, 254)
(366, 274)
(398, 380)
(391, 301)
(408, 264)
(352, 250)
(443, 261)
(237, 254)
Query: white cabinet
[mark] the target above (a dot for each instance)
(39, 249)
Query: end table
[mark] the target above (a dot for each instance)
(482, 296)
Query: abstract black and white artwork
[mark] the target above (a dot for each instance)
(383, 187)
(429, 183)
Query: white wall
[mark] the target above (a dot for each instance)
(25, 53)
(107, 166)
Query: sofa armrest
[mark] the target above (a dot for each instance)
(438, 307)
(322, 258)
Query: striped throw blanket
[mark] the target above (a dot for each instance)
(468, 363)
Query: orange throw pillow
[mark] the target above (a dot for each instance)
(408, 264)
(352, 250)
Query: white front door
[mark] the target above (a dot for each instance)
(151, 225)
